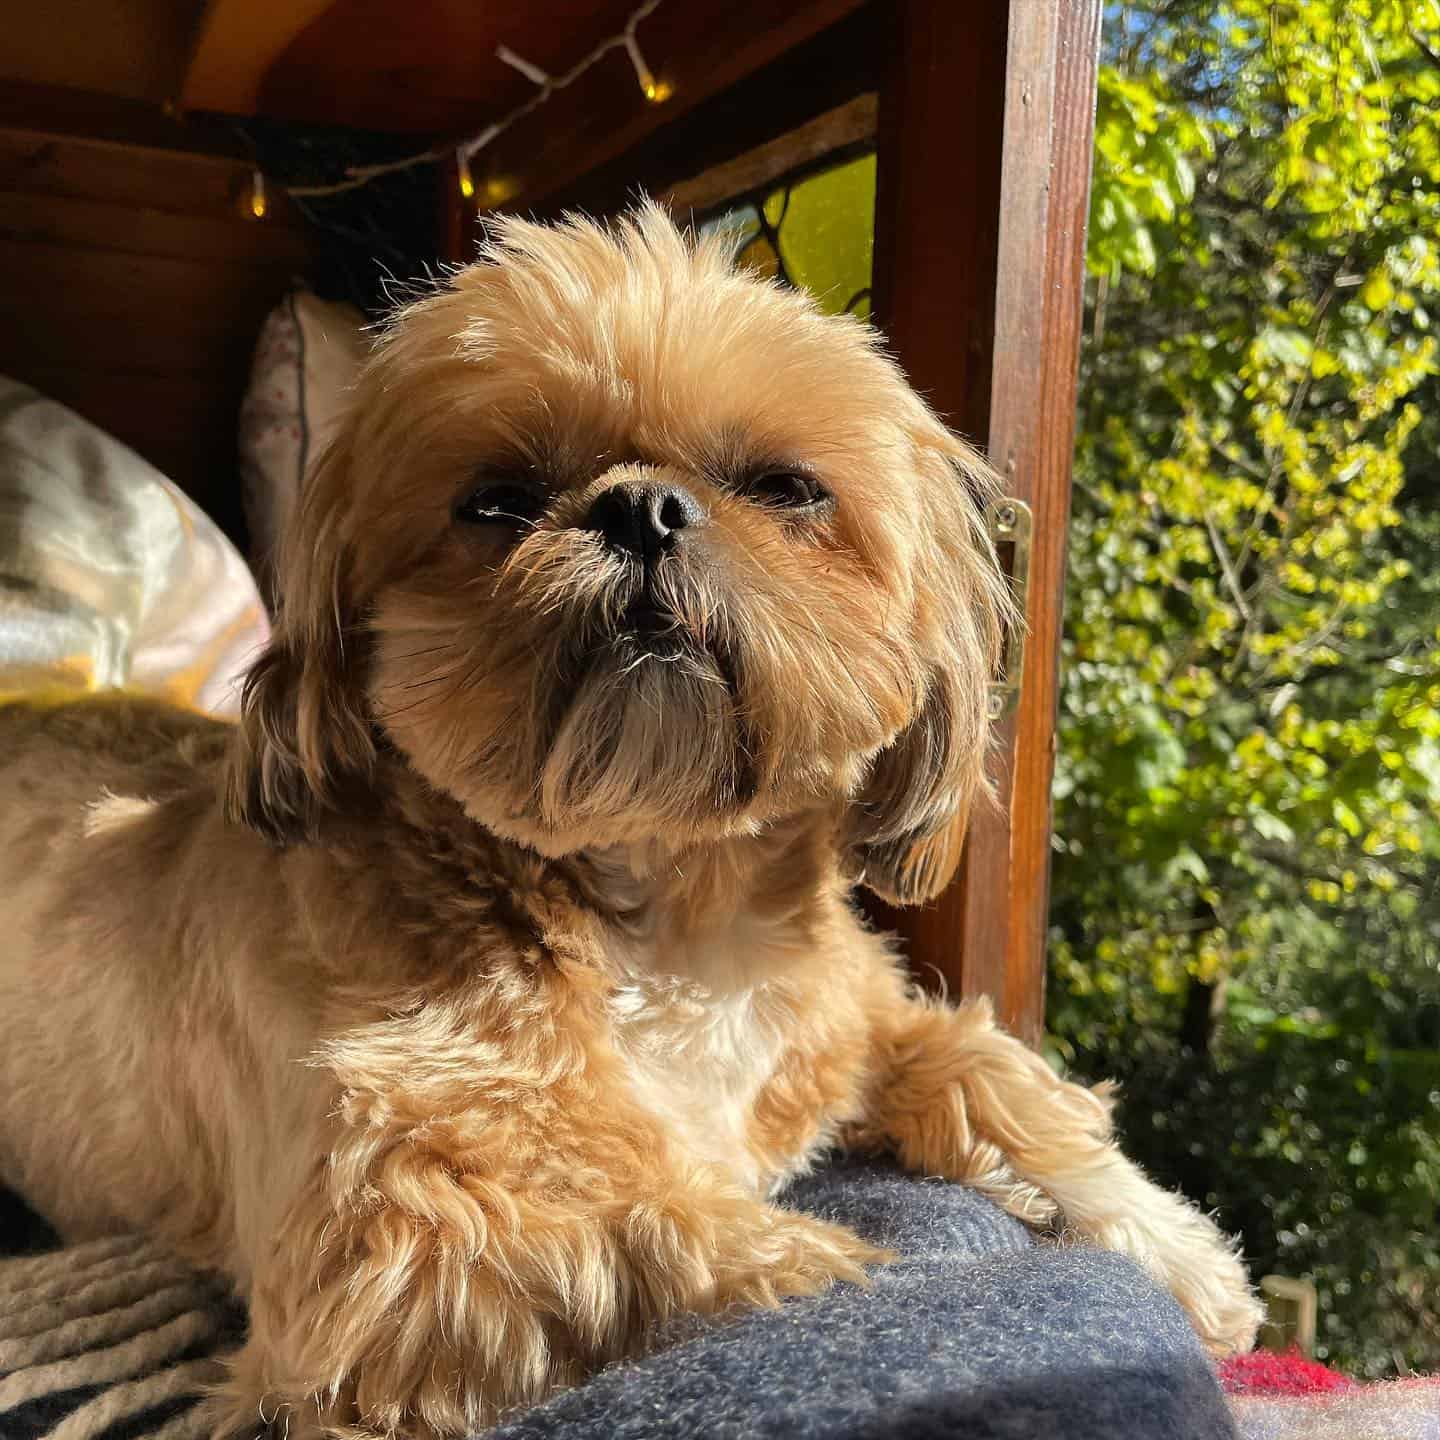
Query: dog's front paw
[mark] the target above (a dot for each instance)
(707, 1254)
(1191, 1256)
(792, 1254)
(1215, 1291)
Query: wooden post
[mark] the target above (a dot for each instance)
(986, 125)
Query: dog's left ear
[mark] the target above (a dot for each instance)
(907, 825)
(303, 729)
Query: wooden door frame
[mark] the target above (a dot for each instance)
(986, 126)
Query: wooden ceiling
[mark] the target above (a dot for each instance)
(171, 70)
(428, 65)
(419, 66)
(134, 50)
(430, 68)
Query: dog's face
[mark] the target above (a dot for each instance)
(621, 547)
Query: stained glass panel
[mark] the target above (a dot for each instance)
(815, 231)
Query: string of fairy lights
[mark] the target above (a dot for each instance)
(656, 91)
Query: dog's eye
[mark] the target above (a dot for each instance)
(500, 503)
(790, 489)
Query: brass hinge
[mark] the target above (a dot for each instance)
(1010, 523)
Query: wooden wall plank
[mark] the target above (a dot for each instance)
(195, 300)
(59, 220)
(44, 109)
(135, 338)
(172, 182)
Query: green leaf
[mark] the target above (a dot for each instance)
(1346, 818)
(1290, 347)
(1271, 827)
(1186, 863)
(1378, 292)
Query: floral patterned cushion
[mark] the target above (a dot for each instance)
(305, 362)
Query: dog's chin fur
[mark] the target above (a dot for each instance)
(578, 736)
(466, 1002)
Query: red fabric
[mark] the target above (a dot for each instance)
(1262, 1372)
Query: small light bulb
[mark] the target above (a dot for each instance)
(259, 204)
(499, 189)
(655, 91)
(467, 180)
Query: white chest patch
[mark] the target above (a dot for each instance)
(700, 1043)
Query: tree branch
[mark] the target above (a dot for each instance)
(1232, 581)
(1431, 55)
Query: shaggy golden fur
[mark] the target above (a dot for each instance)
(468, 1001)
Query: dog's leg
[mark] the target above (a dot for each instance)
(435, 1299)
(956, 1096)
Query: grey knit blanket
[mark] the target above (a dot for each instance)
(976, 1333)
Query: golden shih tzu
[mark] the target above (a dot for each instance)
(469, 1001)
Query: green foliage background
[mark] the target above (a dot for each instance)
(1246, 909)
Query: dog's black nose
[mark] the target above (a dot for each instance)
(643, 519)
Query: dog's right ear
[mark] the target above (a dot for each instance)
(303, 728)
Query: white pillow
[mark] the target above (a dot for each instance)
(306, 360)
(109, 574)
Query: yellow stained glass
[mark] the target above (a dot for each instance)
(817, 232)
(827, 237)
